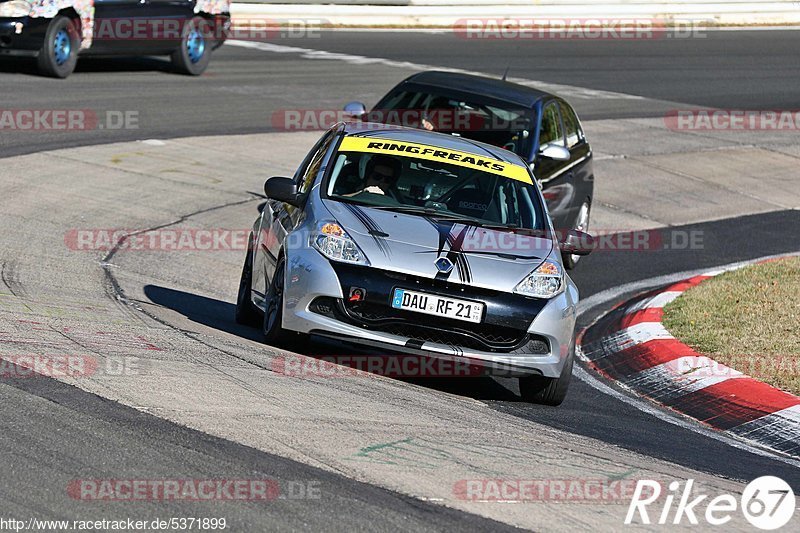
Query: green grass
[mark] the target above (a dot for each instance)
(747, 319)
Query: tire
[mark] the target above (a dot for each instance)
(246, 313)
(194, 53)
(59, 52)
(547, 391)
(581, 224)
(274, 334)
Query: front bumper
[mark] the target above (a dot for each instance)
(22, 36)
(518, 335)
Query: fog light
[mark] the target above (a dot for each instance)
(322, 306)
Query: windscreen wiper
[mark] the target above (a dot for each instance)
(513, 228)
(455, 217)
(412, 209)
(435, 214)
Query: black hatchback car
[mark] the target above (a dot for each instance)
(55, 32)
(538, 126)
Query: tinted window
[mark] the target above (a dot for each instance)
(482, 119)
(571, 125)
(313, 163)
(551, 131)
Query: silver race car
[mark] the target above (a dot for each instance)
(409, 241)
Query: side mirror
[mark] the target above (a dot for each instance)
(282, 190)
(355, 110)
(555, 152)
(577, 243)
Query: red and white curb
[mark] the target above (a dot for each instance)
(631, 346)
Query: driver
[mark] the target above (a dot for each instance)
(382, 173)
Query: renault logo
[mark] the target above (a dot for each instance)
(444, 265)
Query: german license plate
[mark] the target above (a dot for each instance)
(432, 304)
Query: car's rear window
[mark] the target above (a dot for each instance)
(490, 121)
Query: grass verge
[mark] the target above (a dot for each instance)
(747, 319)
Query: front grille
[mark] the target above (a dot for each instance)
(452, 338)
(426, 328)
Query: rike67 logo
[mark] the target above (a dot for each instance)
(767, 503)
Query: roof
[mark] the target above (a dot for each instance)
(490, 87)
(443, 140)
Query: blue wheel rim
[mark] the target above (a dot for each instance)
(195, 45)
(62, 47)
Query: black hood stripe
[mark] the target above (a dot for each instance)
(454, 254)
(371, 227)
(457, 256)
(443, 229)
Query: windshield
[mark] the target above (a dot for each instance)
(417, 184)
(490, 121)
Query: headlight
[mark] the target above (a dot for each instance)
(15, 8)
(544, 282)
(333, 242)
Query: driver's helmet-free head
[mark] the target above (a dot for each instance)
(386, 162)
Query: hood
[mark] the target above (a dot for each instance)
(411, 244)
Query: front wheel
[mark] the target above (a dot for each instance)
(547, 391)
(195, 51)
(59, 52)
(246, 313)
(273, 309)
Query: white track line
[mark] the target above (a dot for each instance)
(567, 91)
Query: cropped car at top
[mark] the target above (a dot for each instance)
(55, 32)
(416, 242)
(538, 126)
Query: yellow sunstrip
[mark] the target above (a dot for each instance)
(434, 153)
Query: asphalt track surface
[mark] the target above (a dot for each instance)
(725, 69)
(628, 427)
(242, 88)
(752, 70)
(92, 431)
